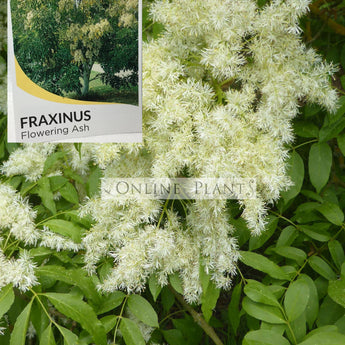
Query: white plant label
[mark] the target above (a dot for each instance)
(74, 71)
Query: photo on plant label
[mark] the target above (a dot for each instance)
(79, 49)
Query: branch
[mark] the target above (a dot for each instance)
(197, 317)
(338, 28)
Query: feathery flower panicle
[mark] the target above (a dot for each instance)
(221, 86)
(19, 272)
(17, 216)
(28, 161)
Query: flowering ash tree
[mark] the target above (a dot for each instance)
(221, 86)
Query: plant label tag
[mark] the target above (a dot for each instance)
(74, 71)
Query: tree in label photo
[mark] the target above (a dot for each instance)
(79, 49)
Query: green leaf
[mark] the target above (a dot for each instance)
(261, 263)
(52, 161)
(336, 290)
(94, 182)
(315, 232)
(190, 330)
(330, 312)
(292, 253)
(70, 337)
(260, 293)
(176, 282)
(111, 301)
(109, 322)
(341, 143)
(331, 130)
(296, 173)
(321, 267)
(311, 109)
(337, 252)
(233, 309)
(174, 337)
(298, 329)
(320, 162)
(262, 312)
(65, 228)
(81, 312)
(325, 338)
(306, 129)
(258, 241)
(154, 286)
(209, 300)
(167, 298)
(131, 332)
(287, 236)
(6, 299)
(331, 212)
(46, 195)
(75, 277)
(56, 182)
(18, 335)
(47, 337)
(296, 299)
(39, 318)
(143, 310)
(311, 195)
(69, 193)
(78, 148)
(312, 309)
(264, 337)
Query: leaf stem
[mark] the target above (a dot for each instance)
(119, 318)
(197, 317)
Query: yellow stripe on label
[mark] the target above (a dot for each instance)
(26, 84)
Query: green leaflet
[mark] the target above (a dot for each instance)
(292, 253)
(143, 310)
(75, 277)
(18, 334)
(337, 252)
(69, 193)
(81, 312)
(65, 228)
(154, 287)
(261, 263)
(263, 312)
(233, 309)
(260, 293)
(110, 301)
(209, 300)
(320, 162)
(47, 337)
(296, 299)
(320, 266)
(336, 290)
(6, 299)
(296, 173)
(264, 337)
(331, 212)
(131, 332)
(325, 338)
(70, 337)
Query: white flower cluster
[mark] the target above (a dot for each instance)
(19, 218)
(124, 73)
(220, 88)
(19, 272)
(28, 161)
